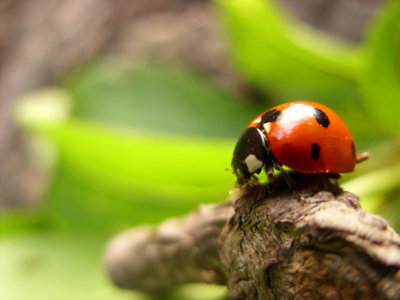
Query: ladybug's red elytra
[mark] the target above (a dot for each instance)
(305, 136)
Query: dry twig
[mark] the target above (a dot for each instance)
(267, 245)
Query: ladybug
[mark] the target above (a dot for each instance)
(305, 136)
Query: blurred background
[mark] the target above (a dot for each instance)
(121, 113)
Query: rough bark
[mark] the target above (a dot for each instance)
(178, 251)
(267, 245)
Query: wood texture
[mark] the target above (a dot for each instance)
(268, 245)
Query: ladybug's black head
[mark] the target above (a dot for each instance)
(251, 154)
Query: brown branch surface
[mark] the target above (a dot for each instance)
(267, 245)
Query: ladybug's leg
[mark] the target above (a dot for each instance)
(333, 176)
(289, 182)
(270, 162)
(253, 180)
(269, 169)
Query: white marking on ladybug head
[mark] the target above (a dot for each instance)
(267, 127)
(258, 120)
(253, 163)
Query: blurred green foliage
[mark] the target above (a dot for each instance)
(381, 80)
(125, 145)
(286, 58)
(157, 98)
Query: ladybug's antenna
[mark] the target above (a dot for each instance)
(362, 157)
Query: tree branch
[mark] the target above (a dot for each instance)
(267, 245)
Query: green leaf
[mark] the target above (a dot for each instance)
(286, 57)
(108, 179)
(381, 83)
(199, 291)
(55, 265)
(157, 98)
(374, 184)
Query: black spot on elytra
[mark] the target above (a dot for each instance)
(321, 117)
(270, 116)
(353, 149)
(315, 151)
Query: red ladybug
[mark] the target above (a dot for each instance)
(305, 136)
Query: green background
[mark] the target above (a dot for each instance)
(124, 145)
